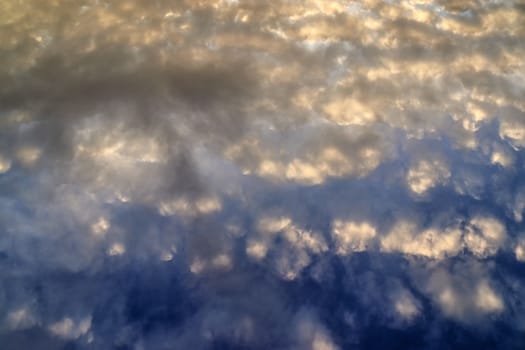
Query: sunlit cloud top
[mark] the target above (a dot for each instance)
(245, 174)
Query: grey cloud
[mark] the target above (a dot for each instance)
(238, 174)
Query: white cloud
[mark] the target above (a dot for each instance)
(353, 236)
(28, 155)
(311, 334)
(407, 306)
(519, 250)
(100, 227)
(22, 318)
(257, 249)
(485, 236)
(487, 300)
(432, 243)
(426, 174)
(273, 224)
(465, 294)
(5, 164)
(70, 329)
(116, 249)
(189, 207)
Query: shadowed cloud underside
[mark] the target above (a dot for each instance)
(285, 174)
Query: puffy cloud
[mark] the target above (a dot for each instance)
(321, 152)
(287, 174)
(67, 328)
(520, 250)
(184, 207)
(466, 296)
(5, 164)
(485, 236)
(431, 243)
(406, 305)
(353, 237)
(310, 334)
(20, 319)
(426, 174)
(299, 245)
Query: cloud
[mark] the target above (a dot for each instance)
(425, 175)
(466, 296)
(243, 174)
(485, 236)
(431, 243)
(67, 328)
(353, 237)
(310, 334)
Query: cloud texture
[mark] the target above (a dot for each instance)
(238, 174)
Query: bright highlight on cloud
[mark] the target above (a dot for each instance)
(262, 175)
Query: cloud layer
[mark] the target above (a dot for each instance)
(244, 174)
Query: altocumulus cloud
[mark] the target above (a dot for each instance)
(285, 174)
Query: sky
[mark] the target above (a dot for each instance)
(287, 174)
